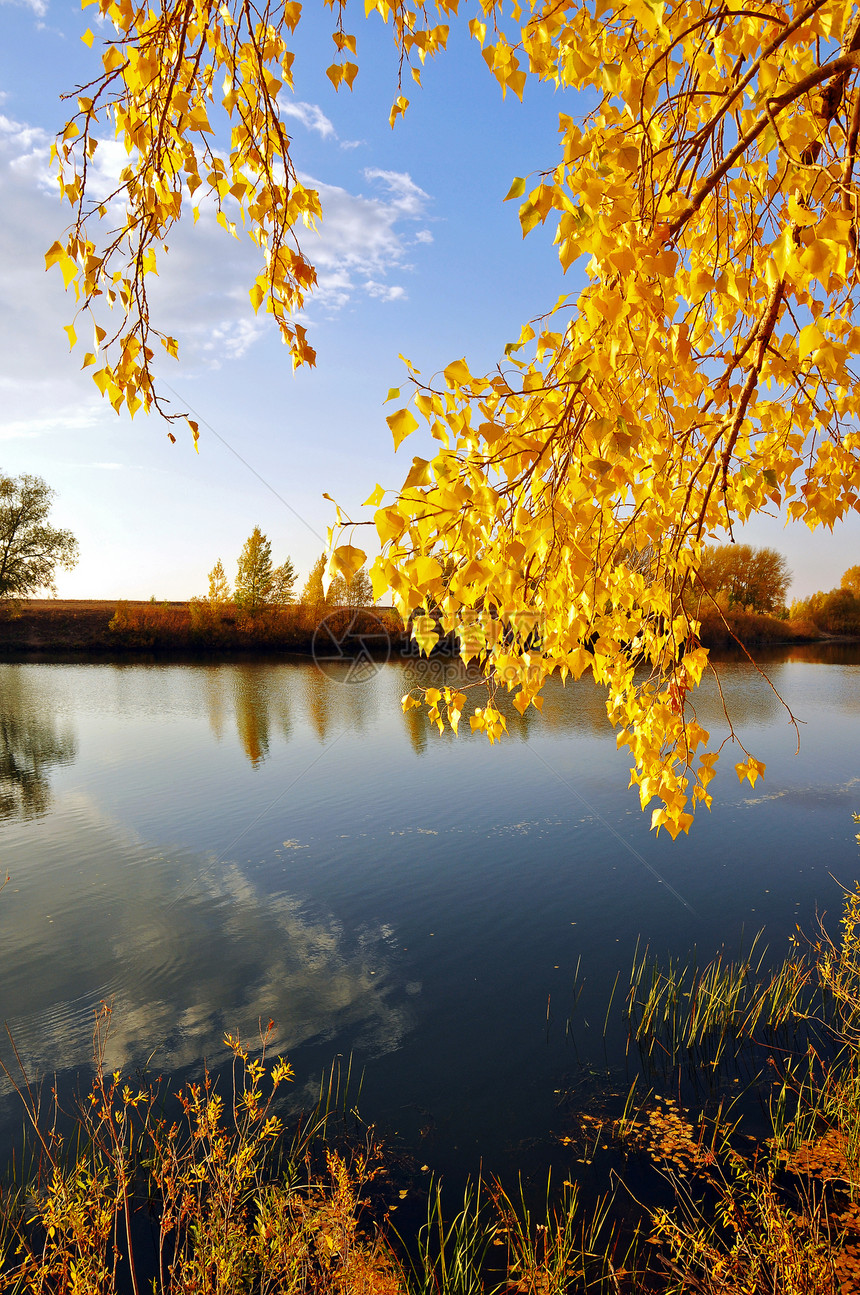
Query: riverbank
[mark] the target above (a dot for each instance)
(76, 630)
(52, 629)
(735, 629)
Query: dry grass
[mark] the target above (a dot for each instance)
(87, 628)
(218, 1199)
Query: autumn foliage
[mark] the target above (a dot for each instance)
(707, 198)
(836, 611)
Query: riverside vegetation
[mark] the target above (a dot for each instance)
(260, 611)
(186, 627)
(206, 1191)
(738, 598)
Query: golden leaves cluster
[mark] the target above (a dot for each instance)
(175, 77)
(705, 372)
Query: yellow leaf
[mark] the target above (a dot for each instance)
(809, 340)
(398, 108)
(457, 373)
(419, 474)
(393, 394)
(68, 269)
(402, 424)
(801, 216)
(751, 769)
(55, 253)
(425, 570)
(516, 190)
(389, 524)
(426, 635)
(88, 38)
(71, 334)
(374, 499)
(347, 560)
(112, 59)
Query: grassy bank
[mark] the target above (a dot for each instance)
(209, 1192)
(80, 630)
(732, 629)
(57, 629)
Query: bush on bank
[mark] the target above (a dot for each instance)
(195, 628)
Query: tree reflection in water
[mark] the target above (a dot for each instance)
(31, 743)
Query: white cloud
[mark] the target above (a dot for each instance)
(313, 118)
(232, 340)
(25, 148)
(385, 291)
(361, 241)
(406, 196)
(201, 294)
(25, 427)
(39, 381)
(309, 114)
(39, 7)
(424, 236)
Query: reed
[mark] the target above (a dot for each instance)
(220, 1198)
(681, 1011)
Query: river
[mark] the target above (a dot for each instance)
(207, 846)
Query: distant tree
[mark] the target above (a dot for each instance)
(206, 613)
(751, 578)
(839, 612)
(313, 594)
(354, 593)
(30, 549)
(254, 576)
(219, 590)
(851, 581)
(283, 583)
(836, 612)
(260, 586)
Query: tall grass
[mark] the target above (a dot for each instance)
(214, 1195)
(195, 627)
(219, 1198)
(679, 1011)
(725, 629)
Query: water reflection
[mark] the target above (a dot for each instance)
(31, 743)
(261, 700)
(186, 947)
(256, 705)
(342, 698)
(751, 696)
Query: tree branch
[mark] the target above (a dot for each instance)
(845, 63)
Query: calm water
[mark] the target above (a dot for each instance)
(208, 845)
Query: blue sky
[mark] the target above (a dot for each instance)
(419, 255)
